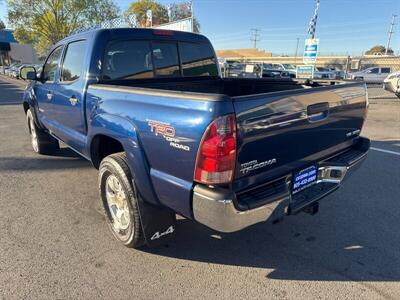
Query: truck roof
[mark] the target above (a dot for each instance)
(145, 33)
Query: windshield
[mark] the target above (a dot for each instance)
(289, 66)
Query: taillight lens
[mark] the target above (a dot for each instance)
(216, 156)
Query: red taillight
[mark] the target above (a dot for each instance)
(217, 152)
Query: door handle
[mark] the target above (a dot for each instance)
(318, 111)
(49, 95)
(73, 100)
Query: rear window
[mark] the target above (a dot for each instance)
(128, 60)
(385, 70)
(145, 59)
(166, 60)
(197, 60)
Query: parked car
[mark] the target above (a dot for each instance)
(279, 70)
(371, 75)
(8, 69)
(169, 136)
(17, 70)
(392, 83)
(14, 68)
(324, 73)
(244, 70)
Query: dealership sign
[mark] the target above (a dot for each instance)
(180, 25)
(310, 51)
(305, 72)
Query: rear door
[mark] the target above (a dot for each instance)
(44, 89)
(69, 96)
(286, 131)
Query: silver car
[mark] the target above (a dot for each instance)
(371, 75)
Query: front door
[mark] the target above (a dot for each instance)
(69, 96)
(44, 89)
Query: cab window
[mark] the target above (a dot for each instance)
(374, 71)
(166, 60)
(51, 65)
(197, 60)
(128, 60)
(73, 61)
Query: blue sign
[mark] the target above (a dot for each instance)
(310, 51)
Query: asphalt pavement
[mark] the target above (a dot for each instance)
(54, 242)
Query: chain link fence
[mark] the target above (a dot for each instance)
(380, 73)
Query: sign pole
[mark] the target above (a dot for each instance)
(191, 10)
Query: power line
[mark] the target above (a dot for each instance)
(256, 36)
(391, 31)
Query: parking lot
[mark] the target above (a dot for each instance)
(54, 242)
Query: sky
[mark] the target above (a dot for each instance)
(344, 26)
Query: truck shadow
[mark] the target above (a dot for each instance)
(11, 94)
(65, 158)
(352, 238)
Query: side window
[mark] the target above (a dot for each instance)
(73, 61)
(128, 60)
(166, 62)
(197, 60)
(51, 65)
(374, 71)
(385, 70)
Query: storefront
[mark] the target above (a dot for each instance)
(11, 51)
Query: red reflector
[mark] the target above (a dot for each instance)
(163, 32)
(216, 156)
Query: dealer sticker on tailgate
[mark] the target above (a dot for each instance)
(304, 179)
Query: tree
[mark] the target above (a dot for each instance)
(2, 25)
(378, 49)
(183, 10)
(45, 22)
(178, 11)
(139, 8)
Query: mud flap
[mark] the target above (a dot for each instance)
(158, 224)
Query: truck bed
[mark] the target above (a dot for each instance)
(232, 87)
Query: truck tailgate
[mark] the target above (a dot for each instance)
(278, 133)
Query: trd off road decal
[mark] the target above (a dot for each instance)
(167, 132)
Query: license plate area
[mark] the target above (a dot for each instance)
(304, 179)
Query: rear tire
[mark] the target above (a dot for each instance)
(120, 200)
(42, 142)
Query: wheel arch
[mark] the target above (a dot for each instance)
(111, 134)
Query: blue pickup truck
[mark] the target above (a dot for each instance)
(169, 136)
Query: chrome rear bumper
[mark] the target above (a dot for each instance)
(218, 208)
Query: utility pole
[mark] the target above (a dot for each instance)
(391, 31)
(255, 36)
(297, 50)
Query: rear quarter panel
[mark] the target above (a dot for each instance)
(161, 133)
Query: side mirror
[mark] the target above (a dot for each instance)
(28, 73)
